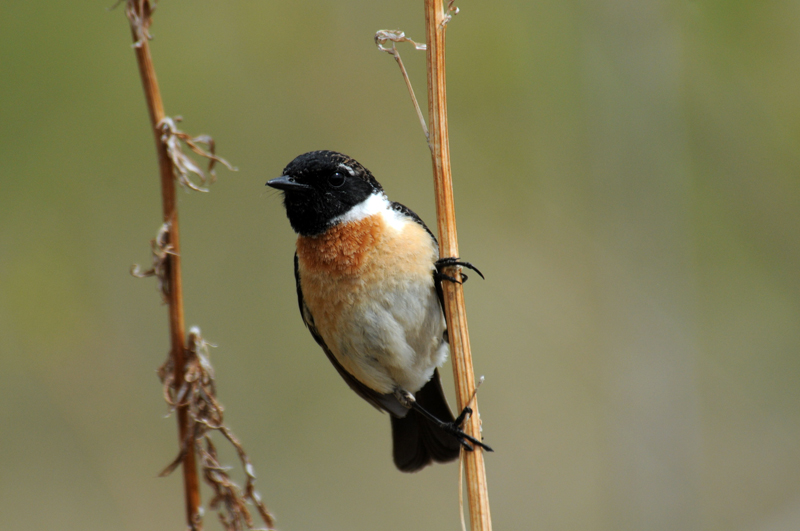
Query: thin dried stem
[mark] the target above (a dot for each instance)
(436, 18)
(187, 375)
(395, 36)
(139, 14)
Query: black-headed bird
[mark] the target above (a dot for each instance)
(369, 279)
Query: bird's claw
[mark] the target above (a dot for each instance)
(454, 428)
(442, 263)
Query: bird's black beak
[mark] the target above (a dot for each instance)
(287, 184)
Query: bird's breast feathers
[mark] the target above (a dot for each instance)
(368, 283)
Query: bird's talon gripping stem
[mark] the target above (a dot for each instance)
(454, 280)
(466, 412)
(442, 263)
(453, 428)
(462, 416)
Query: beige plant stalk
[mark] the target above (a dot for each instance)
(436, 18)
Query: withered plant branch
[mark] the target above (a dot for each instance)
(395, 36)
(183, 165)
(160, 249)
(197, 393)
(139, 13)
(452, 11)
(187, 375)
(436, 18)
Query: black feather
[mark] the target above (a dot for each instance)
(416, 441)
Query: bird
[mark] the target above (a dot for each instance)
(368, 277)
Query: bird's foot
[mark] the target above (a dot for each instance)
(453, 428)
(443, 263)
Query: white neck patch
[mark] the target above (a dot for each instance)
(377, 203)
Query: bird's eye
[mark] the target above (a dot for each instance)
(336, 179)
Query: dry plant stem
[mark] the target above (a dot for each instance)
(403, 71)
(174, 287)
(395, 36)
(477, 492)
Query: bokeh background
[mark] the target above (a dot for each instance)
(626, 175)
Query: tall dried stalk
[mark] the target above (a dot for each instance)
(436, 18)
(187, 375)
(139, 14)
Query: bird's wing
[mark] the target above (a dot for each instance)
(397, 207)
(382, 402)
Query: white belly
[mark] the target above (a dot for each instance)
(396, 339)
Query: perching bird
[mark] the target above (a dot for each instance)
(368, 284)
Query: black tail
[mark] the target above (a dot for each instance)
(417, 441)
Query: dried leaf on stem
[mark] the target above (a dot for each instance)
(139, 13)
(183, 165)
(161, 249)
(450, 13)
(197, 393)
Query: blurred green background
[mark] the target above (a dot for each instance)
(626, 175)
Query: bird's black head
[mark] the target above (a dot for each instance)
(320, 186)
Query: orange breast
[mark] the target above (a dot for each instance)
(341, 250)
(358, 264)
